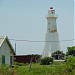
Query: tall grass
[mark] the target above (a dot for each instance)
(37, 69)
(57, 68)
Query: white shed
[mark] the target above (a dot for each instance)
(6, 51)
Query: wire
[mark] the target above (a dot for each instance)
(22, 40)
(41, 41)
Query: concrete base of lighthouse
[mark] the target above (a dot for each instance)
(51, 45)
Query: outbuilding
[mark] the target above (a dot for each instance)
(6, 51)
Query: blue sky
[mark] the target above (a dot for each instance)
(25, 19)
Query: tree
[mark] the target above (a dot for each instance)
(71, 51)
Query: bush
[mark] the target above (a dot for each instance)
(46, 61)
(70, 63)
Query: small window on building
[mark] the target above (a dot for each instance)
(49, 23)
(49, 29)
(3, 59)
(52, 12)
(11, 60)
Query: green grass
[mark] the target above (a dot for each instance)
(57, 68)
(37, 69)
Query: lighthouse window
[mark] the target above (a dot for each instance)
(49, 23)
(52, 12)
(49, 29)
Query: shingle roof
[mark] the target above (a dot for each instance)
(2, 39)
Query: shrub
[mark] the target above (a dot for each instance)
(70, 63)
(46, 61)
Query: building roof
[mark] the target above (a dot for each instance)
(2, 39)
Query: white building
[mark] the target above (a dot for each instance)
(52, 40)
(6, 51)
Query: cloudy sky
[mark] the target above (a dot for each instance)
(25, 20)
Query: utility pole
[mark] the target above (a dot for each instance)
(15, 48)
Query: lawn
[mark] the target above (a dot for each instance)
(37, 69)
(57, 68)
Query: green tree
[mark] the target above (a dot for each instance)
(46, 61)
(71, 51)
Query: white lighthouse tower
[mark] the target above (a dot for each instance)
(52, 39)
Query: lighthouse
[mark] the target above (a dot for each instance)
(52, 38)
